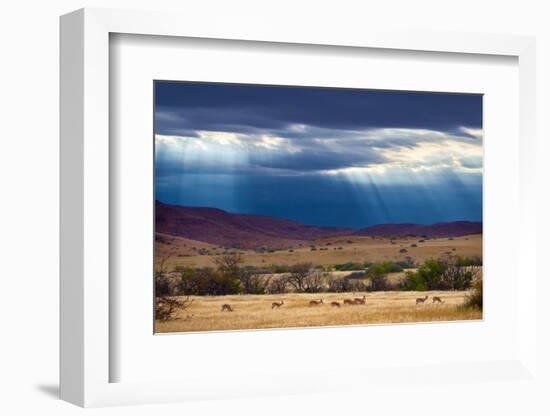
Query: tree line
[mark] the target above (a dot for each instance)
(231, 276)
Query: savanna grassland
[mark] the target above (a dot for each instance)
(255, 311)
(325, 251)
(333, 269)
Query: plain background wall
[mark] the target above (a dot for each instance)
(29, 57)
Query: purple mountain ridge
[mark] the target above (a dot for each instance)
(442, 229)
(222, 228)
(215, 226)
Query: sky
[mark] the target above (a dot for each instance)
(320, 156)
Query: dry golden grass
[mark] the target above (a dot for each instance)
(254, 311)
(361, 249)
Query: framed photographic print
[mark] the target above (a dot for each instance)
(297, 213)
(379, 220)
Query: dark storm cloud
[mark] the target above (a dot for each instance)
(247, 108)
(338, 156)
(310, 159)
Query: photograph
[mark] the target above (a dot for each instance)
(282, 206)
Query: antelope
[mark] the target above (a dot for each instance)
(359, 301)
(315, 302)
(437, 299)
(227, 307)
(189, 317)
(348, 302)
(421, 300)
(277, 304)
(336, 304)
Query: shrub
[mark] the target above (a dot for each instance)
(349, 266)
(252, 282)
(403, 250)
(298, 274)
(378, 280)
(305, 279)
(166, 307)
(408, 263)
(378, 283)
(163, 285)
(475, 298)
(414, 245)
(278, 285)
(280, 269)
(469, 261)
(356, 275)
(226, 279)
(413, 281)
(344, 284)
(428, 277)
(455, 275)
(446, 273)
(385, 267)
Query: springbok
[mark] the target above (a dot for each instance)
(360, 301)
(227, 307)
(437, 299)
(277, 304)
(348, 302)
(336, 304)
(315, 302)
(421, 300)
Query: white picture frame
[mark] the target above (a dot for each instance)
(86, 356)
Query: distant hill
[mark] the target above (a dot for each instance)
(443, 229)
(215, 226)
(222, 228)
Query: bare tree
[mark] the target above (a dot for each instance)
(456, 275)
(167, 306)
(278, 285)
(229, 263)
(163, 284)
(253, 282)
(298, 276)
(346, 284)
(315, 281)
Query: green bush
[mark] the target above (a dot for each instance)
(414, 281)
(408, 263)
(279, 269)
(428, 276)
(349, 266)
(377, 274)
(384, 268)
(446, 273)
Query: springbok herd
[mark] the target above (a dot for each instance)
(356, 301)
